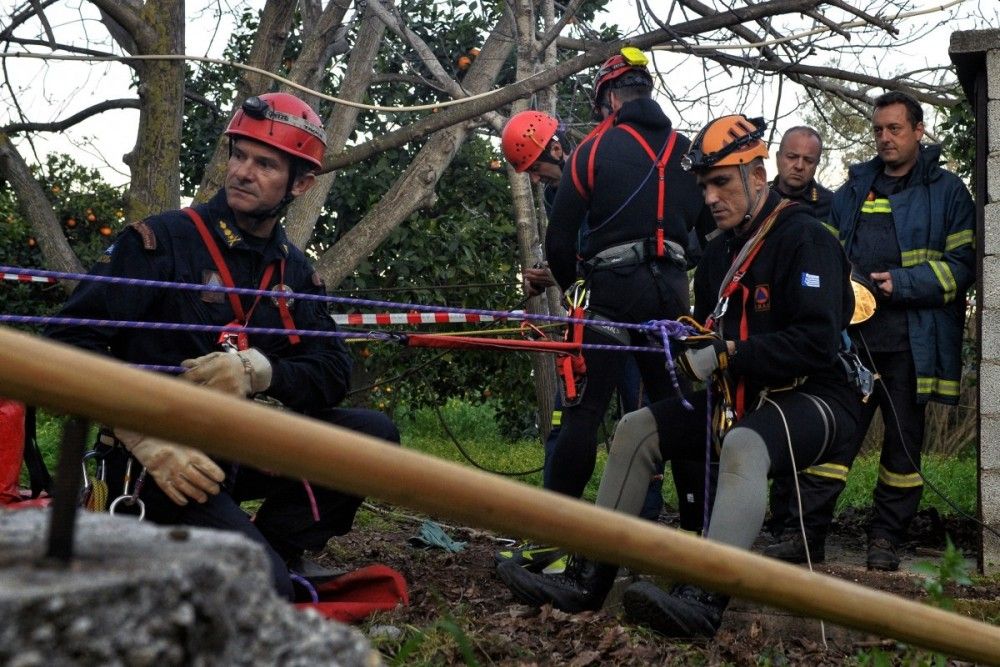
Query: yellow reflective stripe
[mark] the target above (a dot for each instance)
(946, 278)
(876, 206)
(557, 418)
(907, 481)
(830, 470)
(933, 385)
(919, 255)
(959, 239)
(830, 228)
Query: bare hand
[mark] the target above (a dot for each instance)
(536, 280)
(883, 281)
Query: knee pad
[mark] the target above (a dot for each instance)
(637, 431)
(744, 453)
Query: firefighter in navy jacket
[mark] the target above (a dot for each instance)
(276, 144)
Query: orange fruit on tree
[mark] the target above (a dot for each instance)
(71, 222)
(464, 62)
(105, 230)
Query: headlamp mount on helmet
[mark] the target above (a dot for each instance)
(259, 109)
(697, 159)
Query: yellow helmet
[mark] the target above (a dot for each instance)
(729, 140)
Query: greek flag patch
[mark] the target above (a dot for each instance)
(810, 280)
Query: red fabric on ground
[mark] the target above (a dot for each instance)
(358, 594)
(11, 449)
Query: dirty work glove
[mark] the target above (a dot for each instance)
(242, 373)
(181, 472)
(703, 357)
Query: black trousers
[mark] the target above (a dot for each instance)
(285, 524)
(639, 293)
(899, 486)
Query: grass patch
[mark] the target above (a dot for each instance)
(954, 476)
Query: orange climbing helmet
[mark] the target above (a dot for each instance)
(525, 136)
(729, 140)
(281, 121)
(629, 60)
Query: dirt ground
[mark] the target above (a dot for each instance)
(462, 588)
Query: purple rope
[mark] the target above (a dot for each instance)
(672, 329)
(210, 328)
(306, 584)
(708, 461)
(140, 282)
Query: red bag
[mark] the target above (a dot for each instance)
(358, 594)
(11, 449)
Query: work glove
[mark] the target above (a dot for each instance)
(704, 355)
(181, 472)
(241, 373)
(536, 279)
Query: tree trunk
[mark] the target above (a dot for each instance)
(415, 188)
(300, 221)
(37, 209)
(268, 47)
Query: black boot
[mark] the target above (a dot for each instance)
(686, 612)
(791, 549)
(582, 587)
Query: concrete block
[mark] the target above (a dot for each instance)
(989, 489)
(139, 594)
(993, 74)
(991, 335)
(991, 231)
(989, 389)
(991, 281)
(989, 442)
(993, 178)
(993, 125)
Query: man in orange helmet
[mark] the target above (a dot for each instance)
(276, 144)
(773, 292)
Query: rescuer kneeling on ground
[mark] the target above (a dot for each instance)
(773, 292)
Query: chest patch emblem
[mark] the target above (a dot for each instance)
(212, 279)
(762, 297)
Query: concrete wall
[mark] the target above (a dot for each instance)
(975, 53)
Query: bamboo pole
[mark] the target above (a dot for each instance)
(68, 380)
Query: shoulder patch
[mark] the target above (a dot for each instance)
(146, 233)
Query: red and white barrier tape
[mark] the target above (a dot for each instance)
(17, 277)
(356, 319)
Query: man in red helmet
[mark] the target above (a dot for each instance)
(773, 292)
(622, 221)
(234, 240)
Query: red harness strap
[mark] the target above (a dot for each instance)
(242, 317)
(730, 288)
(661, 165)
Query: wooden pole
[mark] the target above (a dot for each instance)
(61, 378)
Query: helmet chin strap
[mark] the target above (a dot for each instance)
(752, 203)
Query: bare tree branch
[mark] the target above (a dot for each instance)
(60, 125)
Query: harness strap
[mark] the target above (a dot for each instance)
(242, 316)
(661, 165)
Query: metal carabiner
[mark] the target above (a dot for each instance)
(126, 497)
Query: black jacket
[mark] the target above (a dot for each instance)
(797, 301)
(620, 205)
(308, 376)
(814, 195)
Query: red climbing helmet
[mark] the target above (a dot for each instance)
(629, 60)
(525, 136)
(284, 122)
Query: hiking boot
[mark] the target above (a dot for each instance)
(792, 550)
(582, 587)
(534, 558)
(882, 555)
(686, 612)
